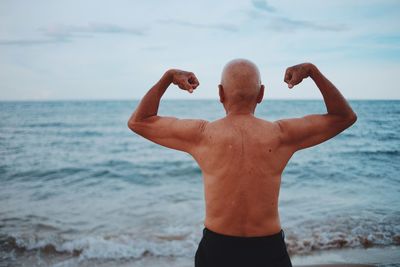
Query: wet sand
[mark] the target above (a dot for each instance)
(382, 257)
(350, 257)
(387, 256)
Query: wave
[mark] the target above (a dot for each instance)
(101, 247)
(47, 124)
(148, 173)
(351, 231)
(82, 134)
(128, 246)
(374, 152)
(47, 175)
(338, 240)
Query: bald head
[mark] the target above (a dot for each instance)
(241, 81)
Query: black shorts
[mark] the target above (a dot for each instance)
(217, 250)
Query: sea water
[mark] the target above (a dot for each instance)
(77, 184)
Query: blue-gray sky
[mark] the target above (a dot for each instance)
(117, 49)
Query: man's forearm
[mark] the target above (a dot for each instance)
(335, 103)
(149, 104)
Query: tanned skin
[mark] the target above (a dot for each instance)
(241, 156)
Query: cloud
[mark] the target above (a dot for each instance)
(263, 5)
(154, 47)
(291, 25)
(89, 30)
(216, 26)
(28, 42)
(67, 33)
(286, 24)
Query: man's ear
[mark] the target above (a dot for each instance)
(221, 93)
(260, 94)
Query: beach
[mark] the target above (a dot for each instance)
(382, 257)
(78, 188)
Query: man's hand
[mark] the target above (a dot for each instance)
(184, 79)
(295, 74)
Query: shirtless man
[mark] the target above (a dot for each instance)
(242, 158)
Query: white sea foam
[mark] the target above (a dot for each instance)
(112, 247)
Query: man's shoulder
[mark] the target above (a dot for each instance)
(263, 120)
(215, 122)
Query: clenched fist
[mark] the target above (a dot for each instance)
(184, 79)
(295, 74)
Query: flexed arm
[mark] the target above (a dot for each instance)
(167, 131)
(314, 129)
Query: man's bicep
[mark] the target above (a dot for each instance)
(180, 134)
(310, 130)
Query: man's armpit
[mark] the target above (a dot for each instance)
(283, 131)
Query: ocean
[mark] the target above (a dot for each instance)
(78, 188)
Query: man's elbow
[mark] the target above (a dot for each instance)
(351, 118)
(133, 125)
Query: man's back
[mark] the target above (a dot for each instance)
(242, 160)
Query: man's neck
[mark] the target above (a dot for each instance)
(235, 110)
(234, 113)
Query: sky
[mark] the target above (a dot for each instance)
(94, 49)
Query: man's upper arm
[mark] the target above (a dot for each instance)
(180, 134)
(310, 130)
